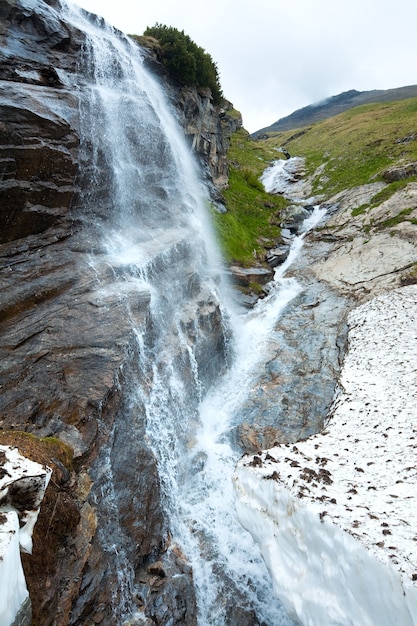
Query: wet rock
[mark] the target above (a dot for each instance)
(245, 276)
(292, 394)
(166, 590)
(293, 216)
(202, 321)
(172, 604)
(252, 437)
(276, 256)
(287, 178)
(24, 616)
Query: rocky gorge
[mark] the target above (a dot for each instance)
(70, 356)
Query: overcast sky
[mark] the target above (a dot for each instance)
(275, 57)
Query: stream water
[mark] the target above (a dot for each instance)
(148, 206)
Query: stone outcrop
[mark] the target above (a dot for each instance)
(209, 129)
(374, 251)
(67, 349)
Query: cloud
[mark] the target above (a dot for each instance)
(275, 56)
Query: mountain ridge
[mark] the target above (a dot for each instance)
(329, 107)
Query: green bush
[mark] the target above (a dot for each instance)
(185, 61)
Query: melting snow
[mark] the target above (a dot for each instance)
(22, 487)
(335, 515)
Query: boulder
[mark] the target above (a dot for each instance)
(400, 172)
(293, 216)
(276, 256)
(245, 276)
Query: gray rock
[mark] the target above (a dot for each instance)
(209, 130)
(24, 616)
(277, 255)
(375, 249)
(400, 172)
(244, 276)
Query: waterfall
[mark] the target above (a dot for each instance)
(144, 208)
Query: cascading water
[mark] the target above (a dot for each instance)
(207, 496)
(145, 203)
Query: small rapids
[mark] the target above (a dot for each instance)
(206, 496)
(146, 204)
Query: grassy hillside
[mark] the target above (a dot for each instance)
(252, 216)
(350, 149)
(355, 147)
(336, 104)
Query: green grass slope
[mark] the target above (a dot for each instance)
(351, 149)
(252, 216)
(355, 147)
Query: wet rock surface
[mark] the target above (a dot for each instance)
(66, 341)
(291, 397)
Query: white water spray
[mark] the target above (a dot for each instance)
(147, 204)
(207, 496)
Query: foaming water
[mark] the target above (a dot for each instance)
(146, 204)
(281, 175)
(206, 496)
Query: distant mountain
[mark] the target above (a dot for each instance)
(336, 104)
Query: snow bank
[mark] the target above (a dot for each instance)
(335, 515)
(22, 487)
(12, 579)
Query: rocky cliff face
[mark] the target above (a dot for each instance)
(209, 129)
(67, 359)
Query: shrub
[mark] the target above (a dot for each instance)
(185, 61)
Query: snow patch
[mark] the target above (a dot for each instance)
(22, 487)
(12, 579)
(335, 515)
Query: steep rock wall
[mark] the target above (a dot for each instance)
(208, 127)
(67, 360)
